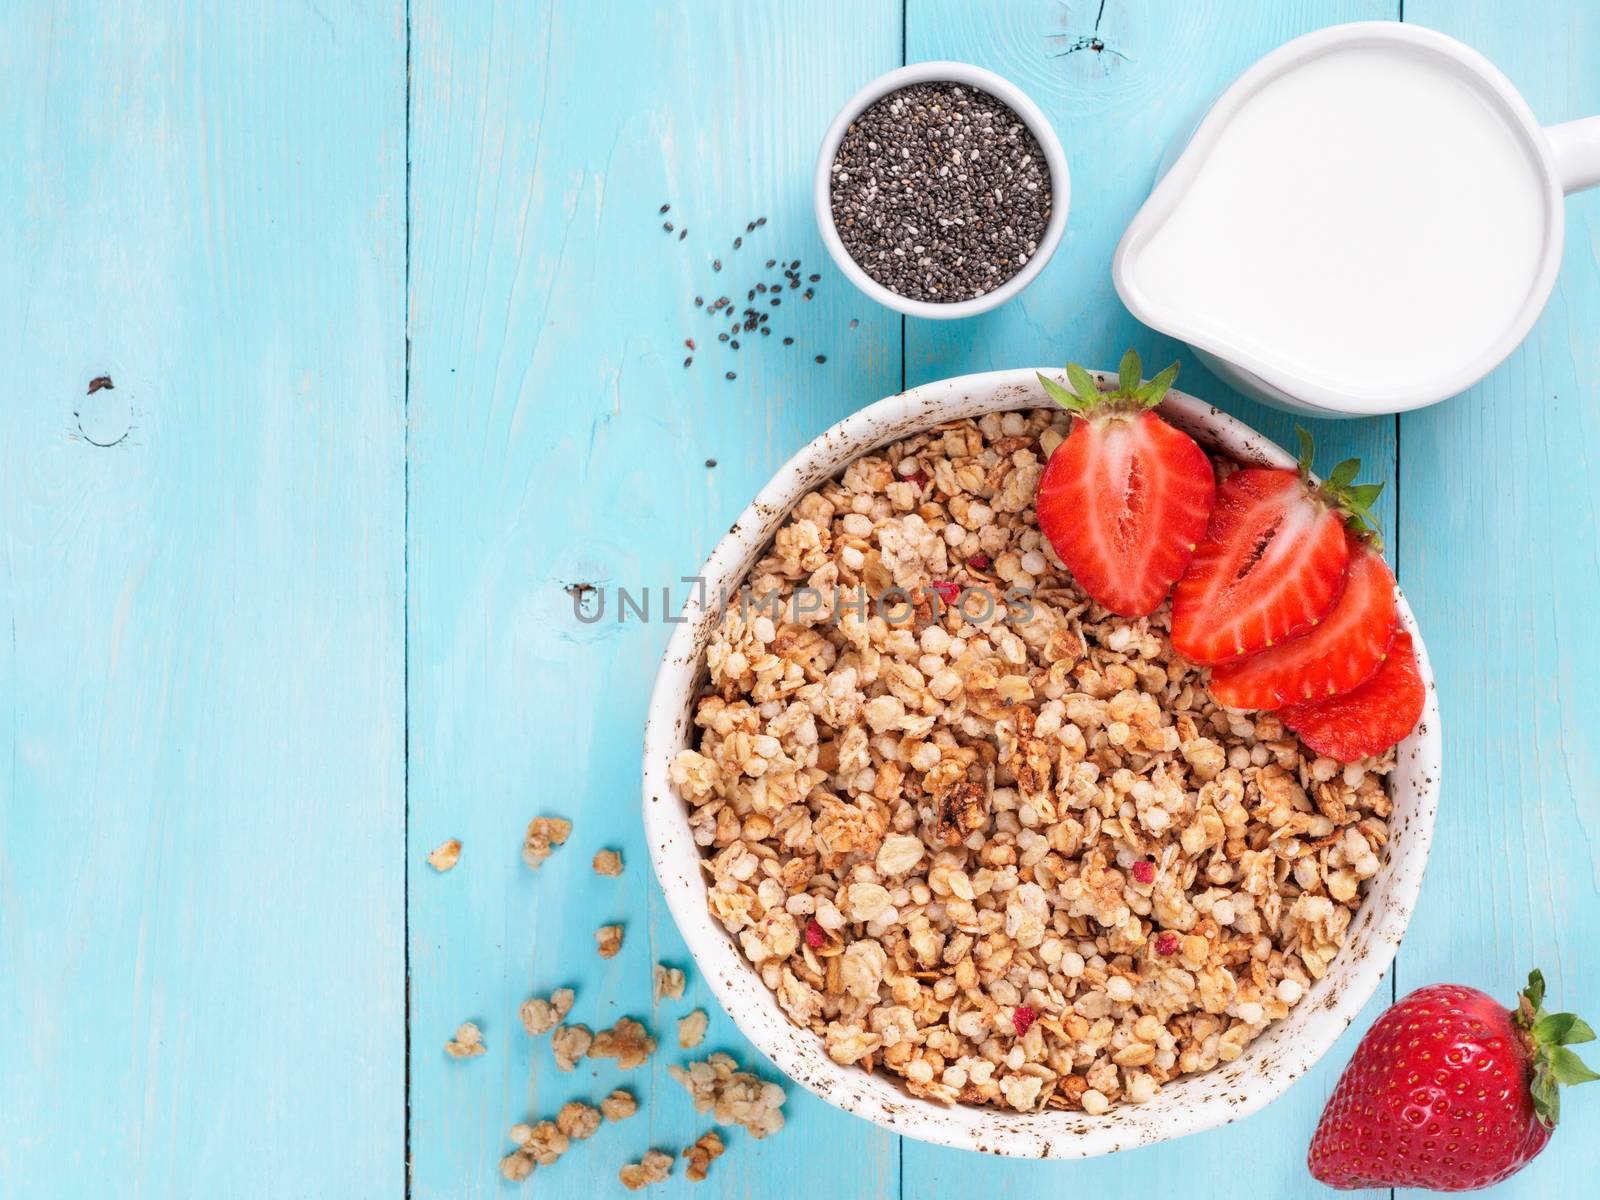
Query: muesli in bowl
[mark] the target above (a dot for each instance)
(978, 835)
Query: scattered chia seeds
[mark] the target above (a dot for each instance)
(940, 192)
(748, 320)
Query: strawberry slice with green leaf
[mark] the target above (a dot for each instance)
(1337, 654)
(1273, 560)
(1368, 719)
(1126, 497)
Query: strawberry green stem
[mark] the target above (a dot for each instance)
(1547, 1036)
(1130, 393)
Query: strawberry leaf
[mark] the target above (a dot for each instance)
(1345, 473)
(1308, 450)
(1129, 372)
(1549, 1035)
(1062, 396)
(1083, 383)
(1567, 1067)
(1562, 1029)
(1535, 989)
(1151, 393)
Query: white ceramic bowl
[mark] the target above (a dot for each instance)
(984, 81)
(1270, 1064)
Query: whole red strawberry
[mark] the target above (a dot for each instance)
(1449, 1091)
(1125, 498)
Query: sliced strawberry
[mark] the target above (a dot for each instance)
(1370, 718)
(1272, 563)
(1125, 498)
(1340, 651)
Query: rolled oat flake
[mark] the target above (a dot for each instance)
(940, 192)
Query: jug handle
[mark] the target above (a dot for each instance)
(1576, 148)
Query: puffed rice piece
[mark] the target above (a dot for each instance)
(577, 1120)
(569, 1043)
(627, 1041)
(445, 855)
(669, 983)
(735, 1097)
(467, 1043)
(543, 834)
(699, 1157)
(540, 1016)
(619, 1105)
(692, 1029)
(655, 1167)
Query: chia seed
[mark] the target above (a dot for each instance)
(940, 192)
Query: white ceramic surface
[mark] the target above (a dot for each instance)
(1271, 1063)
(1561, 159)
(984, 81)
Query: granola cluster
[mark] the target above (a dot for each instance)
(977, 831)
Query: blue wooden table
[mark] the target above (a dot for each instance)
(395, 339)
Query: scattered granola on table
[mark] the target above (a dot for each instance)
(540, 1016)
(445, 855)
(654, 1168)
(735, 1097)
(699, 1157)
(569, 1043)
(1023, 862)
(467, 1043)
(692, 1029)
(627, 1041)
(619, 1105)
(543, 833)
(668, 983)
(608, 940)
(608, 862)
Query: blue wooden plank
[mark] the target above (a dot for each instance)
(1499, 550)
(1120, 82)
(201, 790)
(557, 439)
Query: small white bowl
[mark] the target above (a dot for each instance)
(1009, 95)
(1232, 1090)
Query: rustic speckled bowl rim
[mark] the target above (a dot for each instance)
(1269, 1065)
